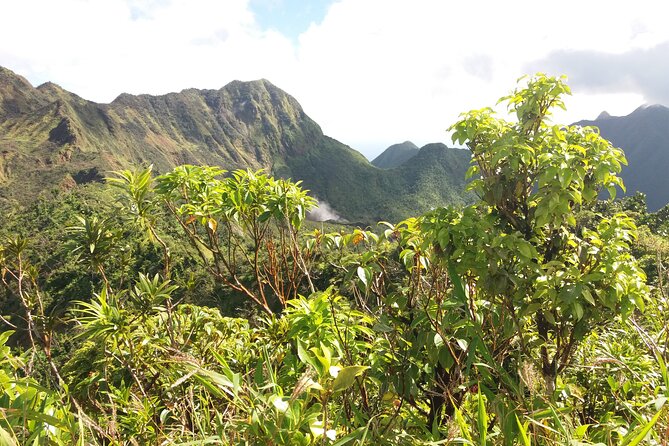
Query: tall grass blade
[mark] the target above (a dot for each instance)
(523, 433)
(482, 420)
(638, 438)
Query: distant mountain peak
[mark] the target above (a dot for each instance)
(396, 155)
(123, 98)
(48, 85)
(54, 92)
(658, 111)
(6, 73)
(17, 95)
(644, 136)
(650, 108)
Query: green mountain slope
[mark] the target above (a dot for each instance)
(361, 192)
(50, 138)
(644, 136)
(395, 155)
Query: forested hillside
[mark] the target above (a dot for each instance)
(51, 138)
(396, 155)
(195, 306)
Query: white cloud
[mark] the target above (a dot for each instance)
(395, 70)
(372, 72)
(99, 49)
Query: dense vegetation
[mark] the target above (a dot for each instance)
(200, 307)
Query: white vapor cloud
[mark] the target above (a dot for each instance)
(324, 212)
(372, 72)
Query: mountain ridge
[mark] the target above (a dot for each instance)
(644, 136)
(50, 137)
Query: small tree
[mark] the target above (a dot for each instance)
(244, 227)
(557, 280)
(526, 280)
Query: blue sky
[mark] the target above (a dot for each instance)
(290, 17)
(372, 73)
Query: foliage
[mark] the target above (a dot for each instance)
(30, 413)
(246, 224)
(522, 319)
(533, 178)
(644, 135)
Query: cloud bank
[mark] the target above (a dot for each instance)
(641, 70)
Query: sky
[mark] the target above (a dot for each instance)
(371, 72)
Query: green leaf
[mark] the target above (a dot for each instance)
(482, 419)
(209, 440)
(473, 170)
(588, 296)
(462, 424)
(463, 344)
(355, 435)
(5, 335)
(523, 433)
(458, 288)
(549, 317)
(663, 370)
(305, 356)
(382, 328)
(580, 431)
(163, 415)
(525, 250)
(346, 377)
(638, 438)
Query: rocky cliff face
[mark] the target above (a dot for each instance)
(244, 124)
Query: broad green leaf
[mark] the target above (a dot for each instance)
(362, 275)
(580, 431)
(465, 430)
(304, 354)
(346, 377)
(438, 340)
(525, 250)
(587, 295)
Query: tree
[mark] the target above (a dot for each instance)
(243, 226)
(532, 279)
(501, 294)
